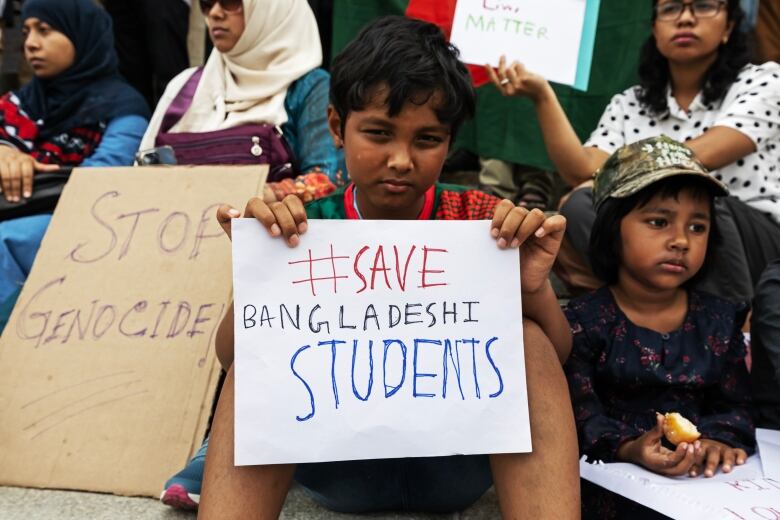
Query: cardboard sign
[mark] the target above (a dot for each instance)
(377, 339)
(553, 38)
(107, 370)
(749, 492)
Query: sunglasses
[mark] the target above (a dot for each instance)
(228, 5)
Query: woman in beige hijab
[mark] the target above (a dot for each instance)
(263, 70)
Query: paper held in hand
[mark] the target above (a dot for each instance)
(377, 339)
(553, 38)
(749, 492)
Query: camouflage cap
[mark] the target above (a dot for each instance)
(638, 165)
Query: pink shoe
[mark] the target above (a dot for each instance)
(177, 497)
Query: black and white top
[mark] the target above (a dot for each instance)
(751, 106)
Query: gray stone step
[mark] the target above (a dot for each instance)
(37, 504)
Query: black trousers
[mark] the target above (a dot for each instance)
(765, 343)
(151, 42)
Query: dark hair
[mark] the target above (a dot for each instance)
(654, 67)
(413, 59)
(605, 250)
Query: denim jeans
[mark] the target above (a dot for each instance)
(431, 485)
(20, 240)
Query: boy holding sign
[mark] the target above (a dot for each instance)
(399, 93)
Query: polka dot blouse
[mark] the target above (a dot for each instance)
(751, 106)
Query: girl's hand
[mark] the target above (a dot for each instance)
(516, 80)
(648, 451)
(286, 218)
(16, 173)
(714, 454)
(538, 237)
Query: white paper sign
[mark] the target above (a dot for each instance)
(553, 38)
(769, 448)
(744, 494)
(377, 339)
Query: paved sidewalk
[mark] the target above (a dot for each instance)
(35, 504)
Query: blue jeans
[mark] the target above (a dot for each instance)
(431, 485)
(20, 240)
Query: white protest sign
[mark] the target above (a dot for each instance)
(377, 339)
(553, 38)
(744, 494)
(769, 448)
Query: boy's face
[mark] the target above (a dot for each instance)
(665, 241)
(392, 160)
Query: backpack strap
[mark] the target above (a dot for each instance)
(182, 102)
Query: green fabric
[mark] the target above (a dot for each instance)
(332, 206)
(622, 29)
(328, 208)
(349, 16)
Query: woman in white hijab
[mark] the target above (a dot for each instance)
(263, 71)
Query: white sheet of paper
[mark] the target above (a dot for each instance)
(769, 448)
(533, 32)
(296, 402)
(744, 494)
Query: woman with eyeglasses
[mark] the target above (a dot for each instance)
(260, 98)
(697, 87)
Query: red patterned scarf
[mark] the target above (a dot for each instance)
(68, 148)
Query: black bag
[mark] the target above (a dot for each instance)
(47, 187)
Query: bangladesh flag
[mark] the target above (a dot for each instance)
(506, 128)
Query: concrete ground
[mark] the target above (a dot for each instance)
(36, 504)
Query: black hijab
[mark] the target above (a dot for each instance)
(91, 90)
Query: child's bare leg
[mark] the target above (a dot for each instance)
(231, 492)
(545, 483)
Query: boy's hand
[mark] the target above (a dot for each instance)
(538, 237)
(286, 218)
(648, 451)
(714, 454)
(516, 80)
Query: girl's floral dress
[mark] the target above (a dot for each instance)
(621, 374)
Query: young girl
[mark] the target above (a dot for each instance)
(645, 343)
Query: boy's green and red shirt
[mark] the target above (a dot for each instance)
(443, 202)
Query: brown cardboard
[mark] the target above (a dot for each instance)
(115, 394)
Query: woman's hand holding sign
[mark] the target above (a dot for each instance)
(573, 162)
(516, 80)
